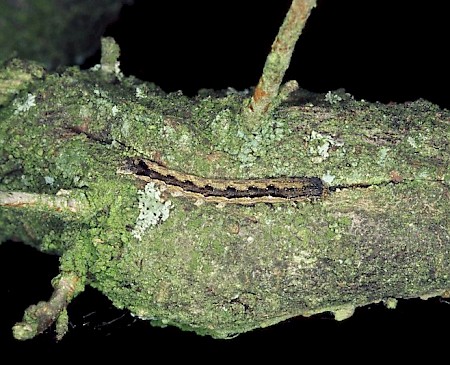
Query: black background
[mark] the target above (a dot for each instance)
(387, 51)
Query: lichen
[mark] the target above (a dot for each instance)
(27, 104)
(320, 144)
(152, 210)
(391, 303)
(328, 178)
(332, 98)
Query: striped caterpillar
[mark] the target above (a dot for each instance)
(226, 191)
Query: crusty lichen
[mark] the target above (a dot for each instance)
(25, 105)
(152, 210)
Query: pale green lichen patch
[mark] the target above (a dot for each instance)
(328, 178)
(333, 98)
(152, 210)
(343, 312)
(319, 146)
(391, 303)
(25, 105)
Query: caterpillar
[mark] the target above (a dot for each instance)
(228, 191)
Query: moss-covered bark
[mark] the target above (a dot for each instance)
(382, 231)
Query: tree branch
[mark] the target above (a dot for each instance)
(60, 202)
(378, 229)
(266, 93)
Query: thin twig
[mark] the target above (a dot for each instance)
(62, 201)
(39, 317)
(266, 93)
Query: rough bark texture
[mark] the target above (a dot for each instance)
(382, 231)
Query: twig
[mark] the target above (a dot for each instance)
(110, 65)
(39, 317)
(266, 93)
(62, 201)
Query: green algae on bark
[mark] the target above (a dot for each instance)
(381, 232)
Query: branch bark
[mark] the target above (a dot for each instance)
(16, 199)
(380, 229)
